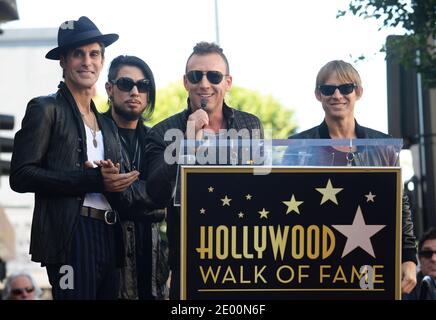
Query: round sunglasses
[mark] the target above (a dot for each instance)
(214, 77)
(126, 84)
(345, 89)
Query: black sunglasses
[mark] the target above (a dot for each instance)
(19, 291)
(328, 90)
(126, 84)
(427, 253)
(214, 77)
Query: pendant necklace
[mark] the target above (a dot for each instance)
(93, 130)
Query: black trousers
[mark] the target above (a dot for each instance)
(91, 272)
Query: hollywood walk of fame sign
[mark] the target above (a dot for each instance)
(296, 233)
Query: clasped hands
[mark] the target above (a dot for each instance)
(113, 180)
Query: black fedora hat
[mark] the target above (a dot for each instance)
(73, 34)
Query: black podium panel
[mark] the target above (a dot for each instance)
(295, 233)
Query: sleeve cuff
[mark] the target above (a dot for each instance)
(409, 255)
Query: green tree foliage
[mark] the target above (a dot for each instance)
(169, 100)
(100, 103)
(417, 18)
(273, 114)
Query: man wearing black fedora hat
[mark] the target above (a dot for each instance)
(75, 232)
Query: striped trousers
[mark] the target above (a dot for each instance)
(91, 271)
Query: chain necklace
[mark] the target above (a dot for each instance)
(93, 130)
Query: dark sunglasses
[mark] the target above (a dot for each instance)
(214, 77)
(126, 84)
(19, 291)
(427, 253)
(328, 90)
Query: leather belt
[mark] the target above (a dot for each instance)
(107, 216)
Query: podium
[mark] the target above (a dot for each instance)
(296, 226)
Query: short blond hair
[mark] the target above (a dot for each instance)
(344, 71)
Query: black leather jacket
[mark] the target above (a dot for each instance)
(48, 159)
(162, 177)
(140, 219)
(374, 158)
(134, 203)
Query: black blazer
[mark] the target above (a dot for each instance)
(48, 160)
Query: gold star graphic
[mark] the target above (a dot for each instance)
(226, 201)
(248, 196)
(370, 197)
(263, 213)
(202, 211)
(240, 214)
(210, 189)
(292, 205)
(329, 193)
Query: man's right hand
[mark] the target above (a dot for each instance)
(200, 118)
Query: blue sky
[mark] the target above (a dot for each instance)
(274, 46)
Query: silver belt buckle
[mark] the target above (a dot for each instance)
(106, 218)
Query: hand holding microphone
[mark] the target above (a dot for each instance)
(203, 103)
(200, 118)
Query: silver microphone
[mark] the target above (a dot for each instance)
(203, 103)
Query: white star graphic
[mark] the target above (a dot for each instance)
(240, 214)
(329, 193)
(226, 201)
(263, 213)
(202, 211)
(358, 234)
(248, 196)
(210, 189)
(293, 205)
(370, 197)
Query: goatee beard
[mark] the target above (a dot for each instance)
(127, 115)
